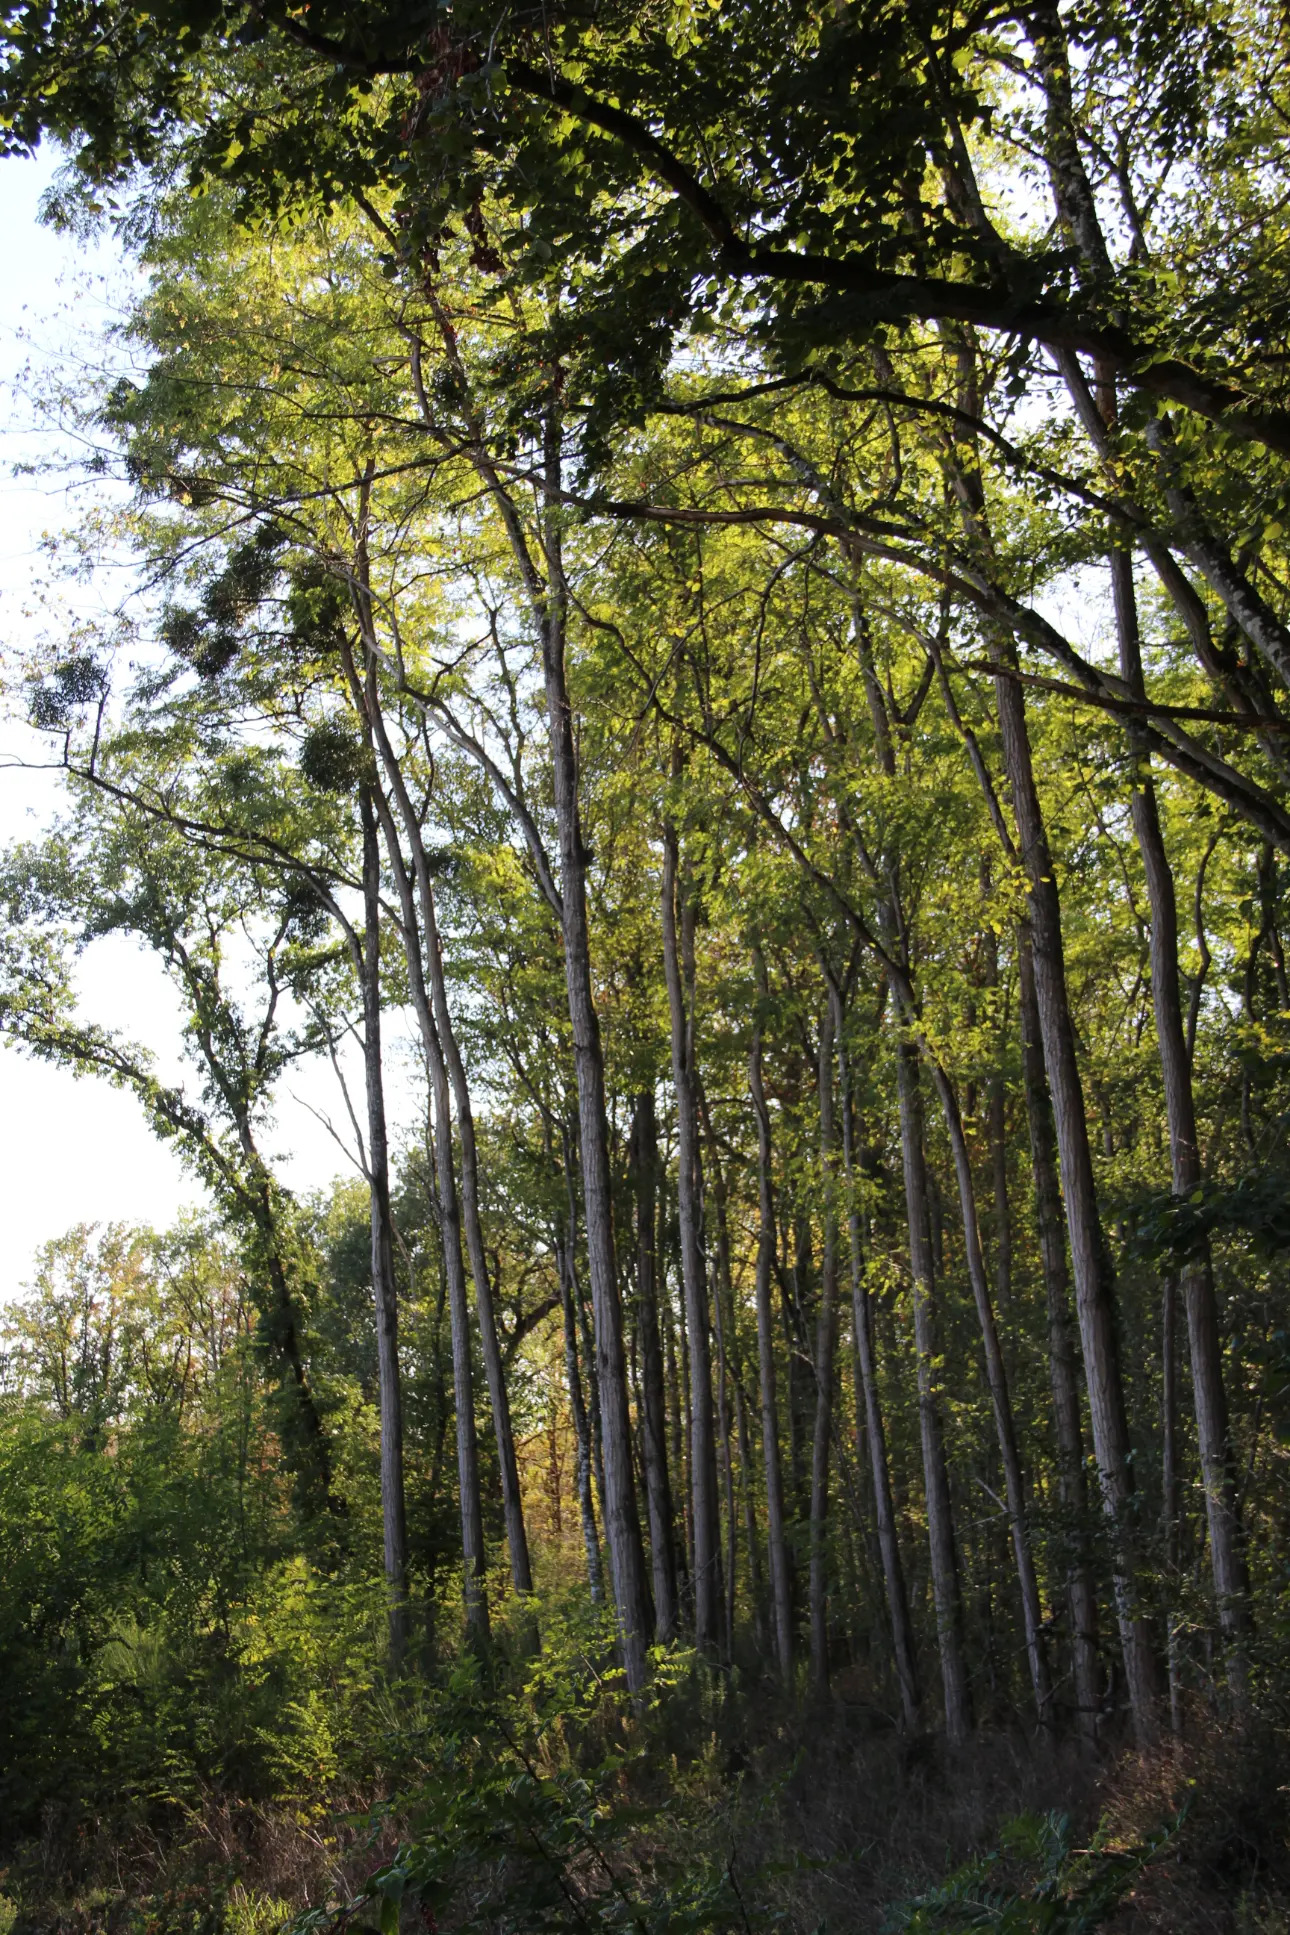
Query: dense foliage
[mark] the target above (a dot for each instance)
(727, 566)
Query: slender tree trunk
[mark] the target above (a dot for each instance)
(997, 1125)
(756, 1583)
(1169, 1492)
(622, 1524)
(940, 1521)
(676, 1410)
(1213, 1430)
(1001, 1403)
(499, 1400)
(732, 1397)
(581, 1425)
(384, 1289)
(780, 1589)
(1063, 1376)
(703, 1465)
(490, 1345)
(726, 1461)
(825, 1351)
(728, 1397)
(658, 1490)
(449, 1219)
(1094, 1294)
(902, 1633)
(472, 1517)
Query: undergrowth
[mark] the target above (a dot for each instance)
(533, 1797)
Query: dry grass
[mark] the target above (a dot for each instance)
(852, 1815)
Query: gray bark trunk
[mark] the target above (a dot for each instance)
(1213, 1430)
(825, 1351)
(1094, 1294)
(940, 1520)
(1001, 1403)
(384, 1289)
(658, 1489)
(705, 1529)
(780, 1591)
(622, 1524)
(499, 1400)
(902, 1634)
(449, 1219)
(1062, 1371)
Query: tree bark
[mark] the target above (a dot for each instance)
(1000, 1400)
(449, 1220)
(1213, 1429)
(1094, 1294)
(940, 1521)
(825, 1351)
(622, 1524)
(703, 1466)
(780, 1588)
(499, 1400)
(1063, 1376)
(902, 1634)
(658, 1489)
(581, 1425)
(384, 1289)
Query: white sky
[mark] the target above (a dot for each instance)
(74, 1150)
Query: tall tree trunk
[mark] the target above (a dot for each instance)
(1000, 1400)
(780, 1588)
(547, 594)
(902, 1633)
(1094, 1294)
(676, 1408)
(1169, 1501)
(472, 1517)
(940, 1521)
(825, 1351)
(1063, 1376)
(499, 1400)
(728, 1398)
(581, 1424)
(449, 1220)
(730, 1362)
(997, 1128)
(384, 1289)
(703, 1464)
(622, 1523)
(720, 1279)
(658, 1490)
(1213, 1430)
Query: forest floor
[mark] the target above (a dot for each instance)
(820, 1823)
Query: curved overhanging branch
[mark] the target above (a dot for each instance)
(878, 295)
